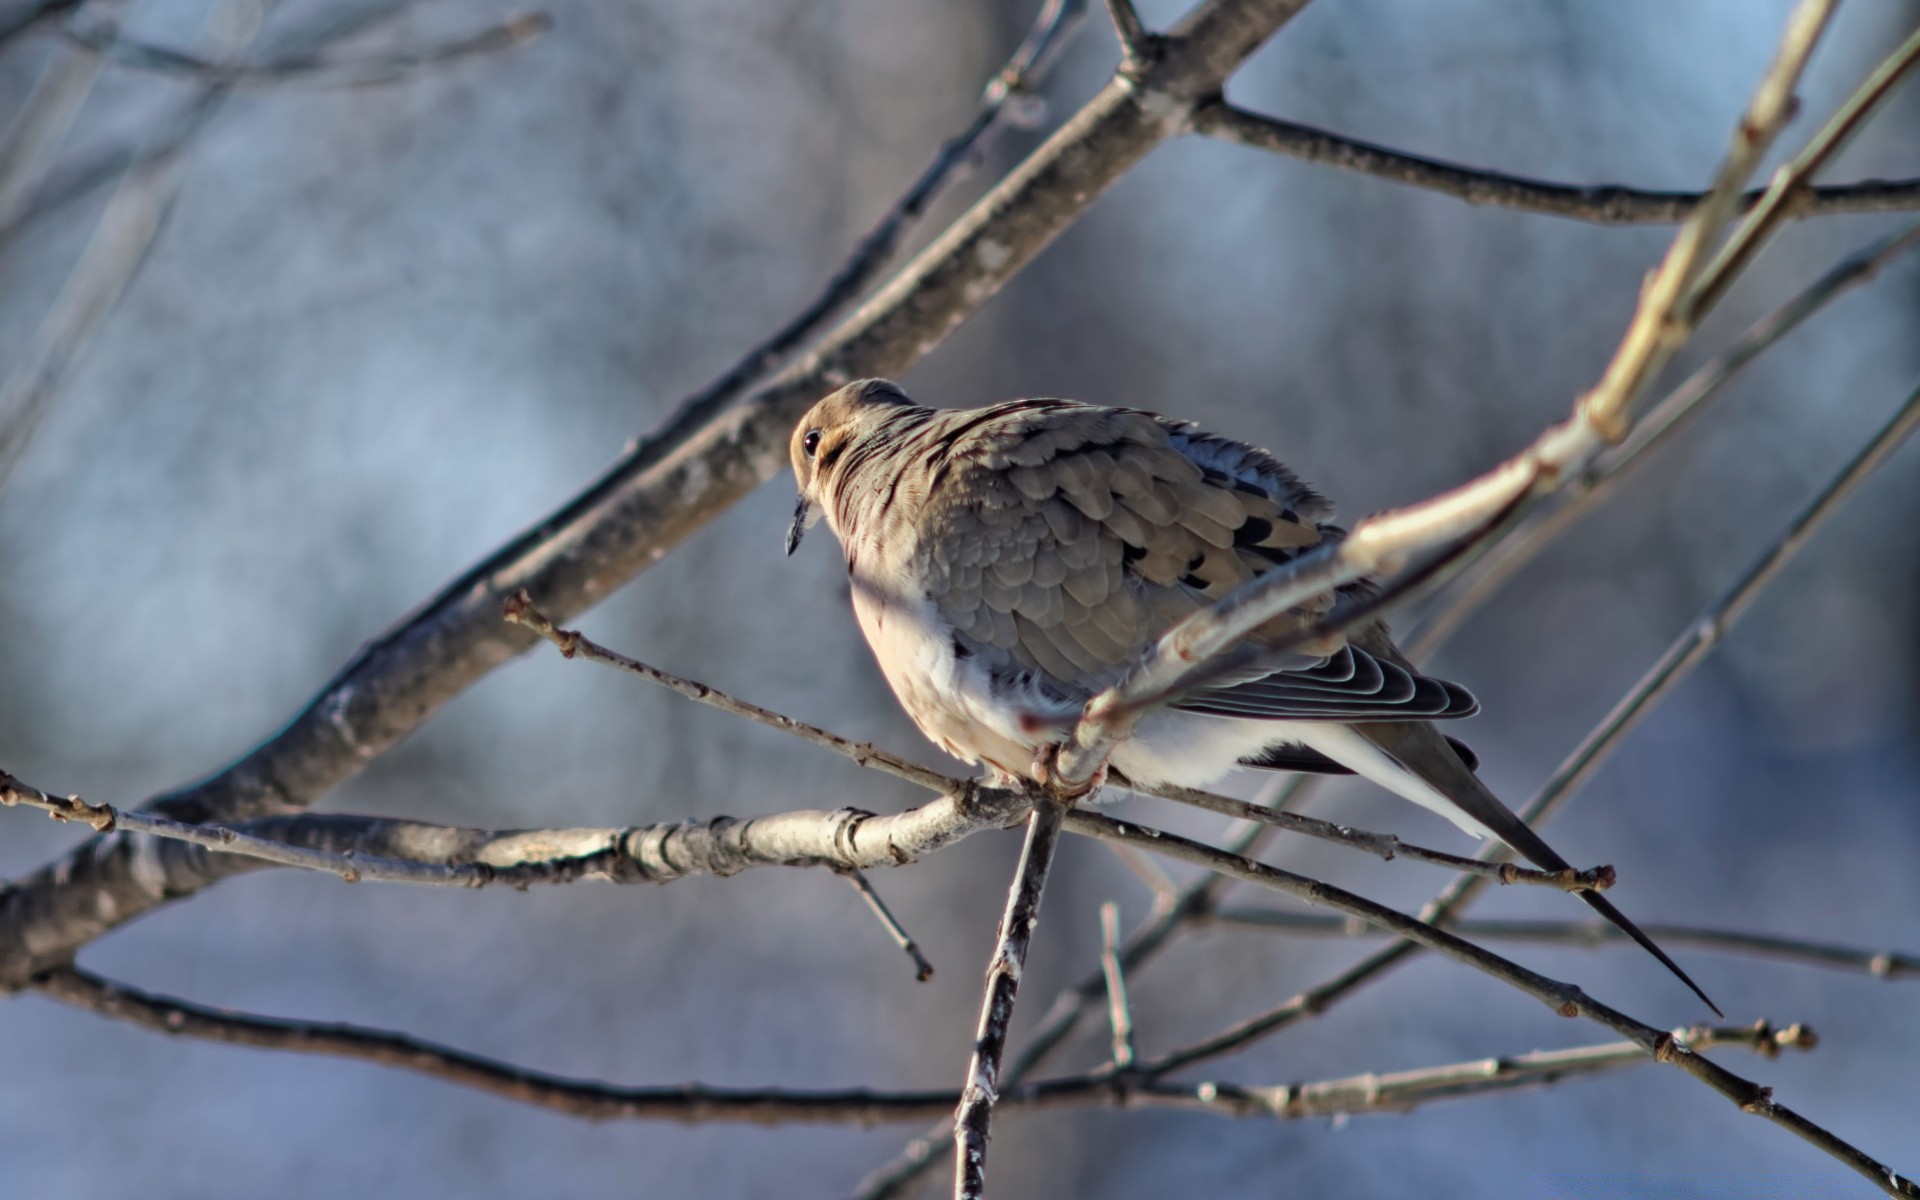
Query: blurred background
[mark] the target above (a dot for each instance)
(383, 329)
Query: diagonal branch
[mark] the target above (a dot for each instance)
(1879, 964)
(1386, 845)
(1686, 652)
(651, 500)
(1566, 999)
(307, 69)
(571, 643)
(1466, 520)
(1600, 203)
(1673, 413)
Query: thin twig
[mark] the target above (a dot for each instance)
(520, 610)
(1700, 637)
(310, 69)
(1385, 845)
(1786, 193)
(1674, 299)
(974, 1114)
(922, 969)
(698, 1103)
(1564, 998)
(1136, 48)
(1070, 1007)
(1878, 964)
(1600, 203)
(1148, 872)
(1685, 653)
(44, 119)
(1119, 1013)
(1662, 421)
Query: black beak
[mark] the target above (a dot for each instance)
(798, 529)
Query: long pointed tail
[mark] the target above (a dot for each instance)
(1419, 747)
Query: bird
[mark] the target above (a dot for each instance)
(1008, 563)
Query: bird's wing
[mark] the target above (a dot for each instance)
(1065, 537)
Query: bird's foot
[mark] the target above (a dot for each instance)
(1045, 772)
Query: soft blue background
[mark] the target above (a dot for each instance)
(386, 329)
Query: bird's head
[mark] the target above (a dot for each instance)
(822, 438)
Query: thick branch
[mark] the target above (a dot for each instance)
(654, 498)
(402, 851)
(1600, 203)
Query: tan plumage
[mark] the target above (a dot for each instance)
(1010, 562)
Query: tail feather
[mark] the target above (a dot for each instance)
(1418, 747)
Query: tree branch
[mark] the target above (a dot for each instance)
(1880, 964)
(1673, 666)
(1566, 999)
(697, 1103)
(1385, 845)
(520, 610)
(1600, 203)
(307, 69)
(651, 500)
(974, 1113)
(1467, 519)
(1514, 549)
(419, 852)
(922, 969)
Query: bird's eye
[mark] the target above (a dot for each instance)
(810, 443)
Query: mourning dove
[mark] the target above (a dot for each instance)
(1010, 562)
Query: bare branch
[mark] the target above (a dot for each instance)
(650, 501)
(1566, 999)
(107, 266)
(520, 610)
(1070, 1007)
(32, 14)
(43, 121)
(1701, 636)
(1136, 44)
(1879, 964)
(1600, 203)
(401, 851)
(1119, 1015)
(1385, 845)
(1679, 660)
(974, 1114)
(698, 1103)
(1786, 193)
(1662, 421)
(1670, 306)
(922, 969)
(307, 69)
